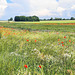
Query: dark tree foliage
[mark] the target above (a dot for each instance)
(51, 18)
(58, 18)
(35, 18)
(17, 18)
(64, 19)
(72, 18)
(24, 18)
(11, 19)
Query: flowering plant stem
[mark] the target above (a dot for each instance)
(42, 72)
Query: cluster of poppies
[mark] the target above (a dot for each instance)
(63, 42)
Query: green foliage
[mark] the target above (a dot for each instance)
(11, 19)
(58, 18)
(72, 18)
(24, 18)
(17, 18)
(0, 35)
(51, 18)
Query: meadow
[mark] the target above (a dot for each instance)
(37, 48)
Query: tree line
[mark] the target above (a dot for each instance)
(35, 18)
(24, 18)
(72, 18)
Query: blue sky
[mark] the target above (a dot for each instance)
(9, 1)
(41, 8)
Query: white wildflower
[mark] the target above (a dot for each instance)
(45, 47)
(35, 49)
(67, 55)
(25, 53)
(13, 53)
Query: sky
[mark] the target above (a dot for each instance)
(41, 8)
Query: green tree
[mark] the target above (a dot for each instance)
(58, 18)
(35, 18)
(22, 18)
(51, 18)
(64, 19)
(11, 19)
(17, 18)
(72, 18)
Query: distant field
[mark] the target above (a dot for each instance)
(60, 21)
(66, 26)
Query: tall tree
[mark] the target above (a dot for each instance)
(11, 19)
(17, 18)
(24, 18)
(51, 18)
(72, 18)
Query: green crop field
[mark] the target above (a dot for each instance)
(42, 26)
(60, 21)
(45, 48)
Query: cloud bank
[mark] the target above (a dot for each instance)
(3, 5)
(41, 8)
(54, 8)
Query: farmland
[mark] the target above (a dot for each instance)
(37, 48)
(61, 26)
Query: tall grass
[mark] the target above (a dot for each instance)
(18, 47)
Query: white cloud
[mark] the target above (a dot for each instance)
(41, 8)
(51, 7)
(19, 7)
(48, 4)
(73, 7)
(3, 5)
(60, 10)
(42, 12)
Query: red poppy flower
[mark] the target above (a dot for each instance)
(25, 66)
(73, 42)
(62, 45)
(69, 40)
(27, 40)
(35, 40)
(62, 42)
(39, 66)
(58, 39)
(8, 33)
(4, 34)
(64, 36)
(14, 33)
